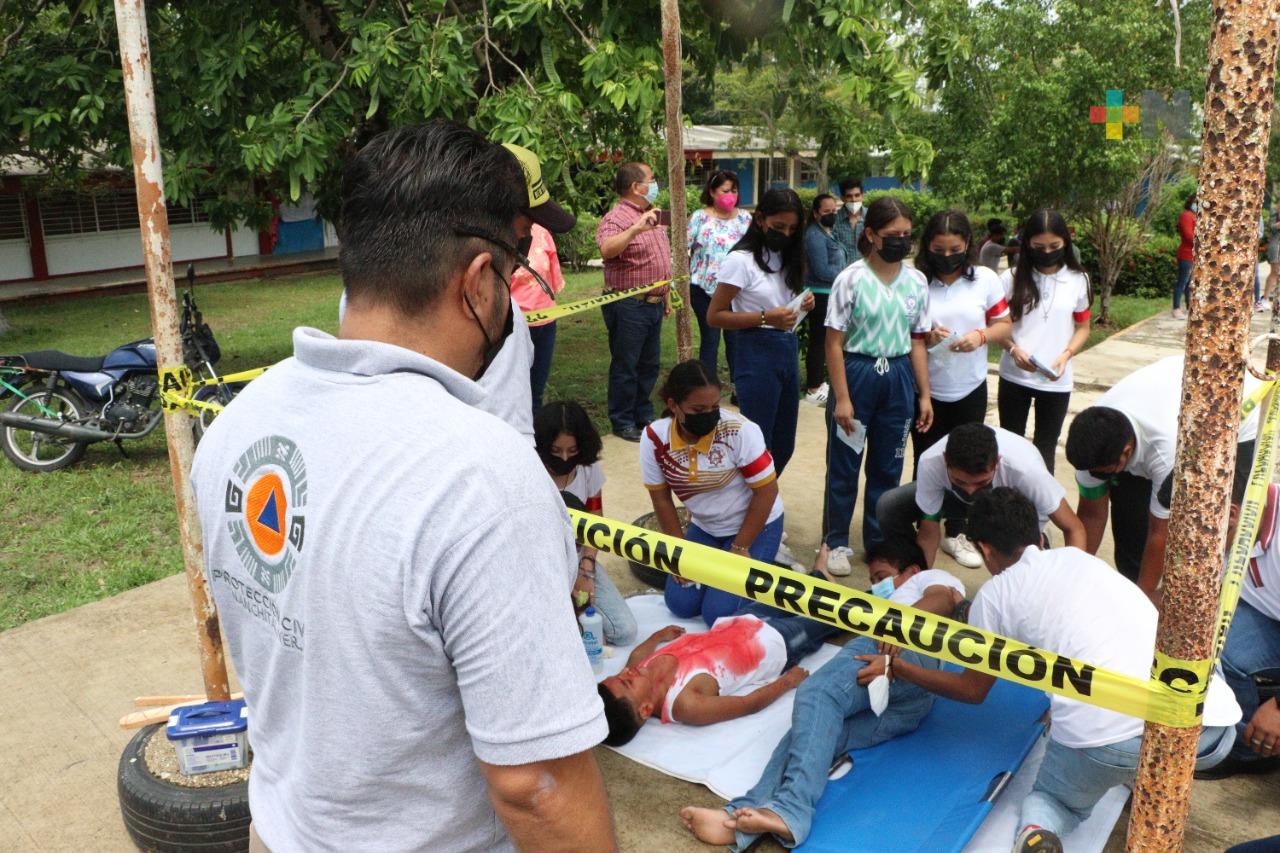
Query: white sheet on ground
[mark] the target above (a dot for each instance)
(729, 757)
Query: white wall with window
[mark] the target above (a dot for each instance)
(98, 230)
(15, 253)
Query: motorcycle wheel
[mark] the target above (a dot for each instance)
(40, 452)
(222, 394)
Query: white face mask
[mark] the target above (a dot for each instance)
(878, 694)
(853, 207)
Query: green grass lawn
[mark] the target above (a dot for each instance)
(108, 524)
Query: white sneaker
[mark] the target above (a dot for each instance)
(784, 555)
(1262, 305)
(1179, 314)
(818, 396)
(838, 563)
(962, 550)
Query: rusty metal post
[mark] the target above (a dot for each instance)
(144, 137)
(1237, 121)
(675, 172)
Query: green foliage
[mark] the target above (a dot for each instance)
(1165, 220)
(1150, 272)
(579, 245)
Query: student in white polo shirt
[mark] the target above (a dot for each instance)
(757, 282)
(1049, 298)
(1071, 603)
(968, 310)
(974, 457)
(1123, 449)
(715, 461)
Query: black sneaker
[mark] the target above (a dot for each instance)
(1033, 839)
(1238, 767)
(629, 434)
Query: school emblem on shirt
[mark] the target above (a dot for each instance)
(265, 498)
(716, 457)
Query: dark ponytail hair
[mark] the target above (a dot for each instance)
(685, 378)
(780, 200)
(817, 203)
(1026, 295)
(880, 213)
(946, 222)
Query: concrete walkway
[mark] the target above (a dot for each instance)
(66, 679)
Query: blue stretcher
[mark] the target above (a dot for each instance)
(930, 790)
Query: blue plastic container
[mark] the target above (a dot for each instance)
(210, 737)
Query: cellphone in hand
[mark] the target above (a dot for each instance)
(1045, 369)
(664, 217)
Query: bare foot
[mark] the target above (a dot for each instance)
(707, 825)
(759, 821)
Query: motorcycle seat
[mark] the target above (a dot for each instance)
(50, 359)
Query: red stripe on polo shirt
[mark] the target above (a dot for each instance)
(996, 310)
(595, 504)
(761, 464)
(1080, 316)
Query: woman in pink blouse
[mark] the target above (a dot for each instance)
(531, 295)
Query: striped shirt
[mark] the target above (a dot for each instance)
(646, 259)
(878, 319)
(714, 477)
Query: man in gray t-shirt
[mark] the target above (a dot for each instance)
(391, 564)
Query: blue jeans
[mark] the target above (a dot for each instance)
(884, 400)
(709, 336)
(619, 622)
(544, 344)
(1253, 646)
(1184, 281)
(1071, 781)
(767, 379)
(1262, 845)
(635, 338)
(802, 636)
(708, 602)
(831, 716)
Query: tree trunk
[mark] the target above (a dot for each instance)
(1237, 121)
(675, 174)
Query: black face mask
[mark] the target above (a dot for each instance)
(702, 423)
(558, 466)
(894, 249)
(946, 264)
(827, 221)
(493, 347)
(1042, 259)
(775, 240)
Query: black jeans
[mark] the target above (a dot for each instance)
(1014, 404)
(635, 337)
(1130, 508)
(815, 350)
(969, 409)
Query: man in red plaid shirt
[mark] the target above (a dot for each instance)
(636, 251)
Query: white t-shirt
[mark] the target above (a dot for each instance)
(1045, 330)
(508, 389)
(371, 581)
(962, 306)
(587, 484)
(757, 290)
(1261, 585)
(1069, 602)
(1021, 467)
(713, 478)
(914, 587)
(740, 652)
(1150, 398)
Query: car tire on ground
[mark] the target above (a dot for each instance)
(167, 818)
(647, 574)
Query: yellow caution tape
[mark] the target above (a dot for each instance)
(1175, 701)
(175, 387)
(555, 312)
(1250, 517)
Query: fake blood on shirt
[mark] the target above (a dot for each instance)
(730, 651)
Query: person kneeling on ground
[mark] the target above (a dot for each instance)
(833, 714)
(693, 680)
(1077, 606)
(968, 460)
(569, 448)
(715, 461)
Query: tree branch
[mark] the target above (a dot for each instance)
(1177, 33)
(325, 96)
(22, 26)
(586, 38)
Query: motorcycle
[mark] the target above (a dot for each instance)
(63, 403)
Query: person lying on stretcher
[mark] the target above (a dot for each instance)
(835, 711)
(703, 678)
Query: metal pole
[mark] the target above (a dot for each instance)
(144, 137)
(675, 173)
(1237, 122)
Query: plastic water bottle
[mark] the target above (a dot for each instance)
(593, 637)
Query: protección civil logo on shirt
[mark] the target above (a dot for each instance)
(265, 498)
